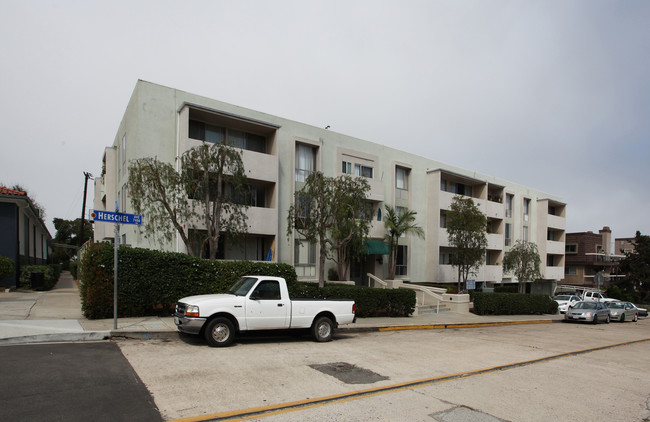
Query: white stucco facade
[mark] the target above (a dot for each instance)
(278, 153)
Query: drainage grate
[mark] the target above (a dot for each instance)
(348, 373)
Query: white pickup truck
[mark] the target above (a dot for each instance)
(259, 303)
(595, 296)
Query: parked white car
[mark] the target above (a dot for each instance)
(564, 302)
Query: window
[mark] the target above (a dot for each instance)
(526, 208)
(571, 249)
(550, 261)
(217, 135)
(305, 258)
(305, 162)
(508, 237)
(509, 201)
(402, 260)
(379, 214)
(570, 270)
(400, 211)
(401, 182)
(524, 234)
(346, 167)
(443, 220)
(444, 258)
(267, 290)
(363, 171)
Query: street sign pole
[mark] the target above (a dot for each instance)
(116, 245)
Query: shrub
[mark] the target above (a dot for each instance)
(513, 304)
(6, 267)
(49, 276)
(150, 282)
(370, 302)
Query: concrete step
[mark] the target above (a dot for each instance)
(427, 310)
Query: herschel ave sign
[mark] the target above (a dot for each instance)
(116, 217)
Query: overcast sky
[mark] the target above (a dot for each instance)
(554, 95)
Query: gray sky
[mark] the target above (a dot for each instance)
(554, 95)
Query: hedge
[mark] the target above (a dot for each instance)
(150, 282)
(6, 267)
(513, 304)
(371, 302)
(50, 276)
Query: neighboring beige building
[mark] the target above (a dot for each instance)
(278, 155)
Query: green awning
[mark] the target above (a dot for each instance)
(376, 247)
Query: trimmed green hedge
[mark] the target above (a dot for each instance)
(150, 282)
(513, 304)
(370, 302)
(50, 276)
(6, 267)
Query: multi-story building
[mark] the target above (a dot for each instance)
(590, 261)
(278, 154)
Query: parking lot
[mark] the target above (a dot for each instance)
(534, 372)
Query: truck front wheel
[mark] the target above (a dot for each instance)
(322, 329)
(219, 332)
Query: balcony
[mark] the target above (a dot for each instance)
(447, 274)
(495, 241)
(555, 222)
(376, 193)
(554, 248)
(554, 273)
(492, 273)
(262, 221)
(495, 210)
(377, 230)
(260, 166)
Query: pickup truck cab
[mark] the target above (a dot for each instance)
(594, 296)
(259, 303)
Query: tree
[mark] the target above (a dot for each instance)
(214, 174)
(397, 225)
(67, 233)
(329, 211)
(636, 266)
(157, 191)
(211, 174)
(523, 259)
(466, 229)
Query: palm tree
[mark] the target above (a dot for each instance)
(398, 225)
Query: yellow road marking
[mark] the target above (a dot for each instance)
(264, 411)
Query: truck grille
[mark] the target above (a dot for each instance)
(180, 308)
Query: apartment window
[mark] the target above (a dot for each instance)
(524, 234)
(443, 220)
(401, 178)
(363, 171)
(550, 261)
(400, 211)
(379, 214)
(444, 258)
(550, 235)
(571, 249)
(570, 270)
(305, 258)
(218, 135)
(551, 210)
(305, 161)
(459, 188)
(508, 236)
(402, 259)
(509, 201)
(346, 167)
(526, 208)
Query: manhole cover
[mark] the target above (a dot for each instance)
(348, 373)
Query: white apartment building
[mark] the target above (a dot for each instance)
(278, 154)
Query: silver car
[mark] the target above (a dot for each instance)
(588, 312)
(621, 311)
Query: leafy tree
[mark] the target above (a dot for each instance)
(466, 228)
(157, 191)
(38, 206)
(211, 174)
(398, 225)
(523, 259)
(636, 265)
(67, 233)
(330, 211)
(214, 175)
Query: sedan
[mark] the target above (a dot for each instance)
(620, 311)
(564, 302)
(588, 312)
(642, 311)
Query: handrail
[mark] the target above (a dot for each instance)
(426, 291)
(382, 284)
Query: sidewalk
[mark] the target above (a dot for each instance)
(35, 317)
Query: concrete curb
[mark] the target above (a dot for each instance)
(58, 337)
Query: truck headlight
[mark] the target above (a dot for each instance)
(192, 311)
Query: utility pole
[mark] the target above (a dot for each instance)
(83, 208)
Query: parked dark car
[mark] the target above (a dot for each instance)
(642, 311)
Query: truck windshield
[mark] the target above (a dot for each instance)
(241, 287)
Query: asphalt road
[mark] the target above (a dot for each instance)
(71, 382)
(541, 372)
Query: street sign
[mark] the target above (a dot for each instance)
(116, 217)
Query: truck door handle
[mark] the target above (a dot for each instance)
(280, 305)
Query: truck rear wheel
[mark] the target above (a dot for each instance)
(219, 332)
(322, 329)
